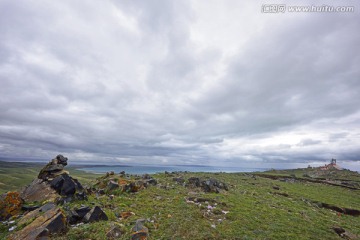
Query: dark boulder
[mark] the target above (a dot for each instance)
(64, 185)
(61, 160)
(67, 186)
(95, 214)
(77, 215)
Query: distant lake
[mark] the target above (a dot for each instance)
(161, 169)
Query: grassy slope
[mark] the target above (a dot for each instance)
(255, 210)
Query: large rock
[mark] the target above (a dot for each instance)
(54, 168)
(95, 214)
(38, 191)
(49, 220)
(66, 185)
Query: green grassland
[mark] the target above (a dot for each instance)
(254, 207)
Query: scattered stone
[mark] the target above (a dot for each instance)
(112, 185)
(152, 181)
(114, 233)
(344, 234)
(146, 176)
(77, 215)
(194, 181)
(276, 187)
(125, 215)
(95, 214)
(208, 185)
(281, 194)
(140, 232)
(131, 187)
(179, 180)
(213, 185)
(12, 228)
(101, 191)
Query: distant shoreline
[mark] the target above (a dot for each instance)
(153, 169)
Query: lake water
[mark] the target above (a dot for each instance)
(161, 169)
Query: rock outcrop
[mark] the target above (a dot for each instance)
(53, 183)
(39, 191)
(44, 219)
(207, 185)
(48, 220)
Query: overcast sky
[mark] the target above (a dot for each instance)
(179, 82)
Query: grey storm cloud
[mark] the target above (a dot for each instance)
(178, 82)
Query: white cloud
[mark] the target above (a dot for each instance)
(178, 82)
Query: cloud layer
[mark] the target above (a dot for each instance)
(179, 82)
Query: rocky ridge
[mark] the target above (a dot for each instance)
(37, 207)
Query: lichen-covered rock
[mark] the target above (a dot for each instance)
(54, 168)
(38, 191)
(140, 232)
(45, 224)
(10, 205)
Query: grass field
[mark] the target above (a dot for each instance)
(255, 207)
